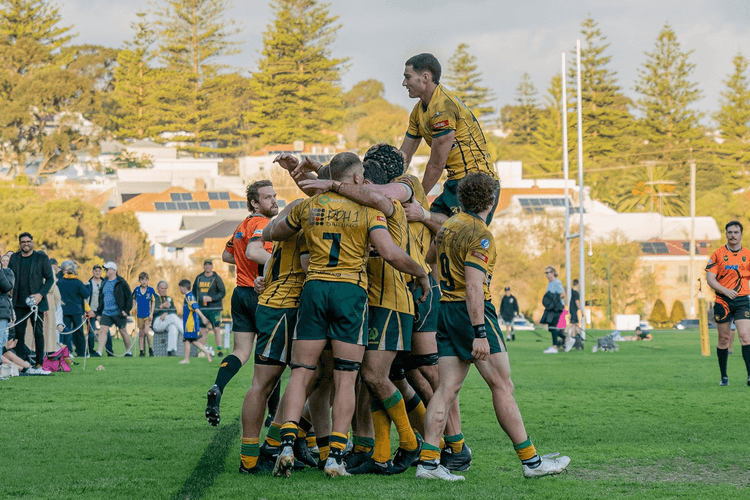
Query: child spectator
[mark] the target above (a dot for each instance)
(191, 316)
(143, 303)
(74, 295)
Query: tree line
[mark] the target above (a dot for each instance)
(637, 152)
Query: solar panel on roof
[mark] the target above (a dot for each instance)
(181, 205)
(175, 196)
(170, 206)
(160, 206)
(204, 205)
(194, 205)
(213, 196)
(524, 202)
(660, 247)
(223, 195)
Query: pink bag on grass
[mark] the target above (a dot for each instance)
(58, 362)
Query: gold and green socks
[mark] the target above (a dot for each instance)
(527, 454)
(273, 438)
(381, 451)
(455, 442)
(249, 452)
(363, 444)
(396, 409)
(429, 453)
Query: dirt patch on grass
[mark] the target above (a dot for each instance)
(680, 470)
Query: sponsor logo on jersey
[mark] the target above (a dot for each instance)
(726, 258)
(485, 243)
(439, 125)
(733, 267)
(239, 235)
(381, 218)
(480, 256)
(323, 200)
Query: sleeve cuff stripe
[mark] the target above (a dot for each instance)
(476, 266)
(442, 133)
(410, 136)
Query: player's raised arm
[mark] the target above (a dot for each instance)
(439, 150)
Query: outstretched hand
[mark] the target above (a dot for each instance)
(306, 166)
(287, 161)
(423, 282)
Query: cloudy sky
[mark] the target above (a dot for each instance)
(507, 37)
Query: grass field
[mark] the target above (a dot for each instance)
(649, 421)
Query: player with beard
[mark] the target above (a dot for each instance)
(247, 251)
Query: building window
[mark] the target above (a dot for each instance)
(683, 274)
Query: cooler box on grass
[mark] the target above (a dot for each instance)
(160, 346)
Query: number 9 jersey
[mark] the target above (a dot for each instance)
(464, 240)
(337, 233)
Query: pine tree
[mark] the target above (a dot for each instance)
(659, 313)
(734, 116)
(192, 35)
(135, 91)
(36, 91)
(607, 123)
(296, 93)
(523, 118)
(547, 138)
(678, 312)
(667, 94)
(734, 124)
(464, 79)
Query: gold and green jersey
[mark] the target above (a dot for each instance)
(464, 240)
(337, 232)
(284, 274)
(388, 287)
(446, 113)
(420, 235)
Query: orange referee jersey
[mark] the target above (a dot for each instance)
(249, 230)
(732, 269)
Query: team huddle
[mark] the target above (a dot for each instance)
(347, 300)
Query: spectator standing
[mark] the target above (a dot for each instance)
(508, 311)
(74, 295)
(165, 318)
(34, 280)
(143, 303)
(53, 318)
(115, 300)
(6, 305)
(94, 285)
(574, 307)
(553, 306)
(209, 291)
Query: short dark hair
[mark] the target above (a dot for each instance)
(324, 172)
(476, 192)
(374, 172)
(185, 284)
(252, 191)
(734, 223)
(144, 274)
(575, 282)
(208, 261)
(426, 62)
(342, 163)
(96, 266)
(25, 234)
(390, 158)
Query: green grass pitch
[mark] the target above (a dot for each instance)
(649, 421)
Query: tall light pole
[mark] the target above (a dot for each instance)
(581, 241)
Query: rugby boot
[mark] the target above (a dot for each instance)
(403, 459)
(334, 467)
(370, 466)
(456, 461)
(302, 453)
(550, 464)
(354, 460)
(724, 381)
(263, 465)
(213, 398)
(433, 470)
(284, 462)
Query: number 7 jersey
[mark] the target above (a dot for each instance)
(337, 233)
(464, 240)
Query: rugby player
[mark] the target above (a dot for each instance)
(421, 364)
(390, 323)
(466, 257)
(456, 140)
(333, 304)
(246, 251)
(727, 273)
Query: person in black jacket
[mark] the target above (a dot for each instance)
(74, 295)
(209, 292)
(553, 303)
(34, 280)
(508, 311)
(115, 300)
